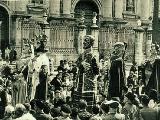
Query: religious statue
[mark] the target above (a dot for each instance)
(130, 5)
(88, 71)
(82, 18)
(153, 53)
(117, 70)
(154, 78)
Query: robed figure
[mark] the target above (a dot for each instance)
(19, 90)
(87, 74)
(42, 88)
(117, 70)
(154, 80)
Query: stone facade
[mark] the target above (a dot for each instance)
(116, 21)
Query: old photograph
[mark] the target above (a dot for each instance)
(79, 60)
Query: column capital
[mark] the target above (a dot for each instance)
(82, 26)
(138, 29)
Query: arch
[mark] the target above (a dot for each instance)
(6, 8)
(97, 2)
(5, 14)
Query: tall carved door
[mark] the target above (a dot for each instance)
(88, 7)
(4, 30)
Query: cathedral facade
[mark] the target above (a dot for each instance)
(65, 22)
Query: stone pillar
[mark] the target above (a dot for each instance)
(118, 8)
(107, 8)
(138, 8)
(95, 34)
(18, 35)
(54, 8)
(145, 11)
(139, 31)
(149, 43)
(66, 8)
(82, 33)
(46, 29)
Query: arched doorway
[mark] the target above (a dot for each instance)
(88, 6)
(4, 30)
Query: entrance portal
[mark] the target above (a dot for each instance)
(4, 30)
(88, 6)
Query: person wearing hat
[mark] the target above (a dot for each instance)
(130, 110)
(56, 82)
(65, 111)
(83, 113)
(58, 100)
(113, 111)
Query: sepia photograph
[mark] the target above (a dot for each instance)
(79, 60)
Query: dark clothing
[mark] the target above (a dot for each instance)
(133, 68)
(12, 55)
(42, 88)
(58, 102)
(56, 83)
(149, 114)
(3, 102)
(154, 80)
(117, 78)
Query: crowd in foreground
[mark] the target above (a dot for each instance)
(134, 104)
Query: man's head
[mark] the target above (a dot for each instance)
(88, 41)
(129, 97)
(118, 50)
(82, 104)
(57, 94)
(19, 110)
(44, 68)
(66, 110)
(145, 100)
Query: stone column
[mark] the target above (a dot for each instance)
(118, 8)
(95, 34)
(66, 8)
(82, 33)
(107, 8)
(149, 43)
(145, 11)
(139, 31)
(54, 8)
(18, 36)
(46, 28)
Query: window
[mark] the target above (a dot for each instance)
(130, 5)
(37, 1)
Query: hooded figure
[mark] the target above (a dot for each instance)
(117, 71)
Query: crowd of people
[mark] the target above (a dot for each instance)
(134, 104)
(80, 90)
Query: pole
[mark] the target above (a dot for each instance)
(155, 22)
